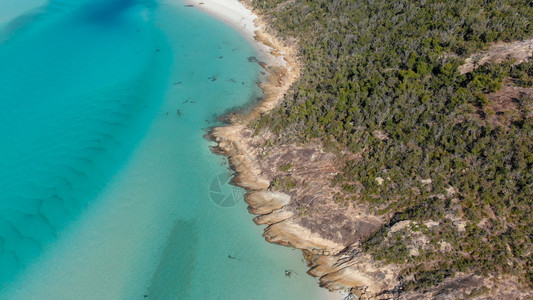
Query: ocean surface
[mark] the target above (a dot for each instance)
(108, 188)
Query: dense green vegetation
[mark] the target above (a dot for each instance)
(381, 79)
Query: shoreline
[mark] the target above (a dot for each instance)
(278, 60)
(280, 63)
(337, 260)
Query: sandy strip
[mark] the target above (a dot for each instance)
(230, 11)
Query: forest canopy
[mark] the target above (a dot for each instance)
(381, 80)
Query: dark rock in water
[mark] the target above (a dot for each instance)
(189, 5)
(252, 59)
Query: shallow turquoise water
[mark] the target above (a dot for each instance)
(105, 175)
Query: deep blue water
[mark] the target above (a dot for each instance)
(104, 174)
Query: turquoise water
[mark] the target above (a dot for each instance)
(105, 175)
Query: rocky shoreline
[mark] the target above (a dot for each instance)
(338, 266)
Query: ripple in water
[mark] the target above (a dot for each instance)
(70, 114)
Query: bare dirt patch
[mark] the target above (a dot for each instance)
(507, 104)
(520, 51)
